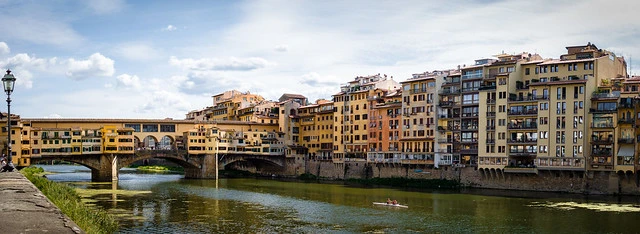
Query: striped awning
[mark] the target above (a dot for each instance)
(626, 151)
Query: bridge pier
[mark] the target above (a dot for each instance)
(206, 170)
(107, 170)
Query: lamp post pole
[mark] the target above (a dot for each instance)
(8, 82)
(217, 144)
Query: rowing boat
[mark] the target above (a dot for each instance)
(391, 205)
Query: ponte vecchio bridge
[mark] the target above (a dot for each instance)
(107, 145)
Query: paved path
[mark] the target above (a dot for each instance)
(24, 209)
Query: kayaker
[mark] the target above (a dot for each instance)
(395, 202)
(388, 201)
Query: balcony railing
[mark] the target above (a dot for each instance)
(602, 141)
(472, 76)
(605, 95)
(602, 153)
(626, 121)
(449, 92)
(523, 126)
(487, 87)
(523, 99)
(491, 101)
(625, 105)
(491, 127)
(415, 91)
(522, 141)
(524, 112)
(446, 104)
(602, 125)
(521, 153)
(604, 110)
(491, 114)
(491, 141)
(469, 151)
(626, 140)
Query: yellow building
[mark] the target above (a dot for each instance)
(226, 105)
(419, 125)
(351, 116)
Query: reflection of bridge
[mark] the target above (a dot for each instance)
(105, 167)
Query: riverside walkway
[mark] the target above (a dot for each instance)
(24, 209)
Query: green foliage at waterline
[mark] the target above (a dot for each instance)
(307, 176)
(408, 183)
(160, 168)
(91, 220)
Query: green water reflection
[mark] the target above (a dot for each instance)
(175, 205)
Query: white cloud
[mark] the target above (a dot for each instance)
(96, 65)
(129, 81)
(162, 100)
(137, 51)
(105, 6)
(4, 48)
(230, 64)
(169, 28)
(282, 48)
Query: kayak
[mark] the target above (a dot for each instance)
(391, 205)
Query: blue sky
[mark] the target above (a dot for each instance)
(159, 59)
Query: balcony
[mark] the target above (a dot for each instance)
(469, 115)
(602, 141)
(487, 87)
(605, 96)
(416, 91)
(491, 76)
(469, 128)
(446, 104)
(472, 76)
(491, 141)
(626, 121)
(524, 112)
(602, 125)
(449, 92)
(522, 141)
(626, 140)
(523, 126)
(523, 99)
(625, 105)
(602, 153)
(522, 153)
(469, 151)
(604, 110)
(472, 89)
(491, 127)
(491, 101)
(491, 114)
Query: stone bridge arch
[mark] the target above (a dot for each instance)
(248, 162)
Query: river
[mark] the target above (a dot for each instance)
(167, 203)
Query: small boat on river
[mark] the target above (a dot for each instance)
(391, 205)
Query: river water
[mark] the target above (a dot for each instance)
(167, 203)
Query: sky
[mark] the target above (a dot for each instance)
(161, 59)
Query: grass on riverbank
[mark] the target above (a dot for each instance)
(408, 183)
(91, 220)
(160, 168)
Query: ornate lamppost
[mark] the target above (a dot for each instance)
(8, 82)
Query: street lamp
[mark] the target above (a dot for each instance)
(8, 82)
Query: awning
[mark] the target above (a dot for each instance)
(626, 151)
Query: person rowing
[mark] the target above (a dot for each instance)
(388, 201)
